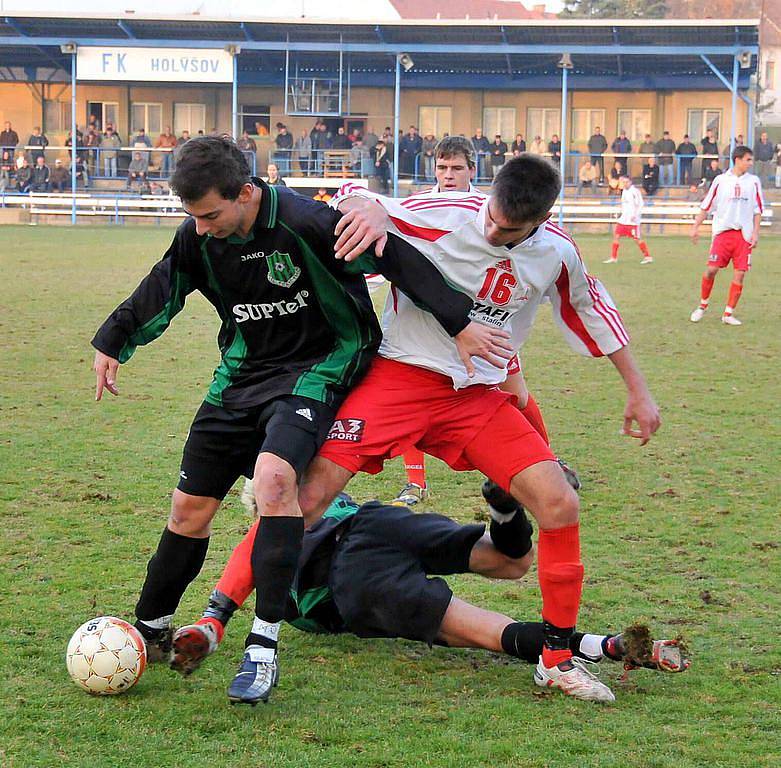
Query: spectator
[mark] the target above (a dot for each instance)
(180, 142)
(9, 138)
(79, 142)
(370, 139)
(763, 158)
(709, 147)
(554, 149)
(387, 137)
(498, 154)
(778, 166)
(482, 150)
(647, 147)
(739, 140)
(38, 139)
(341, 140)
(81, 173)
(621, 147)
(274, 177)
(303, 151)
(110, 127)
(92, 142)
(381, 165)
(143, 141)
(409, 148)
(7, 169)
(597, 145)
(249, 149)
(650, 176)
(537, 146)
(108, 149)
(23, 176)
(665, 148)
(427, 150)
(694, 194)
(284, 145)
(166, 141)
(588, 174)
(322, 194)
(519, 145)
(359, 157)
(39, 179)
(137, 170)
(614, 179)
(686, 152)
(59, 176)
(711, 172)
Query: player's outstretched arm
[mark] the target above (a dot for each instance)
(698, 219)
(641, 409)
(106, 369)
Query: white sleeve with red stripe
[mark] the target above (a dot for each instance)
(583, 309)
(760, 201)
(706, 204)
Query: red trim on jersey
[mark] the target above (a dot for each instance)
(711, 194)
(570, 316)
(443, 204)
(424, 233)
(395, 299)
(429, 198)
(759, 197)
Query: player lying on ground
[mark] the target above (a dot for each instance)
(735, 199)
(628, 224)
(366, 570)
(504, 253)
(298, 330)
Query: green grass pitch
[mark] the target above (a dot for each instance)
(683, 534)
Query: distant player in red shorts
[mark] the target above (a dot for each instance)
(735, 199)
(629, 221)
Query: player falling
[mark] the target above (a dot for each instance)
(735, 199)
(628, 224)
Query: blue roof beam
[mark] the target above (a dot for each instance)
(247, 34)
(616, 41)
(507, 55)
(126, 29)
(716, 71)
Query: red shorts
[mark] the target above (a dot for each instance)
(730, 246)
(398, 406)
(628, 230)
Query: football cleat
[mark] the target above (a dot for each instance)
(248, 497)
(648, 260)
(730, 320)
(665, 656)
(410, 495)
(573, 678)
(258, 674)
(191, 645)
(159, 643)
(570, 474)
(610, 261)
(697, 315)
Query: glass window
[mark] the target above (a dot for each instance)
(701, 120)
(56, 115)
(146, 116)
(584, 121)
(189, 117)
(436, 120)
(255, 119)
(104, 112)
(499, 120)
(543, 122)
(636, 123)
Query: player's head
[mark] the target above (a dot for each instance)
(521, 197)
(454, 164)
(213, 180)
(624, 182)
(742, 159)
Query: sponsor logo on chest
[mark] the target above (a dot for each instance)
(271, 309)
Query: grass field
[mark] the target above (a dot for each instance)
(683, 534)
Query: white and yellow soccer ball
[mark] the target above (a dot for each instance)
(106, 656)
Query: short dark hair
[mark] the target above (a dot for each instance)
(526, 188)
(452, 146)
(741, 151)
(210, 162)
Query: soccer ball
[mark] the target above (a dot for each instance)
(105, 656)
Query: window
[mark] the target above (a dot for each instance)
(700, 120)
(584, 121)
(636, 123)
(104, 112)
(542, 122)
(146, 116)
(435, 120)
(499, 120)
(255, 119)
(189, 117)
(56, 115)
(770, 75)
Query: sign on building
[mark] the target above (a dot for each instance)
(181, 65)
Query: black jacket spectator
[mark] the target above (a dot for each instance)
(519, 145)
(498, 152)
(554, 147)
(341, 140)
(37, 139)
(665, 148)
(686, 151)
(9, 138)
(409, 146)
(650, 178)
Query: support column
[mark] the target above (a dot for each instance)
(235, 98)
(735, 72)
(563, 158)
(396, 118)
(74, 138)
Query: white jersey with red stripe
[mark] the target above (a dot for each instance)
(734, 201)
(506, 285)
(631, 206)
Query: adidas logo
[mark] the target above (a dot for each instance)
(306, 413)
(506, 265)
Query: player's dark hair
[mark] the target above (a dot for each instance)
(453, 146)
(210, 162)
(526, 188)
(741, 151)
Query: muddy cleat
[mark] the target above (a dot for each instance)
(697, 315)
(258, 674)
(411, 494)
(191, 645)
(159, 643)
(730, 320)
(635, 647)
(574, 679)
(248, 497)
(570, 474)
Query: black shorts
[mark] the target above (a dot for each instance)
(380, 572)
(224, 444)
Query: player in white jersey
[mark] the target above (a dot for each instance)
(735, 199)
(505, 254)
(629, 221)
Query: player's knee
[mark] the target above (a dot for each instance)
(561, 508)
(274, 484)
(190, 515)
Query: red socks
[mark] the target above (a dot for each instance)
(644, 249)
(236, 580)
(705, 291)
(533, 415)
(735, 289)
(614, 251)
(560, 574)
(415, 466)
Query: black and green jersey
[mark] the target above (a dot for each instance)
(295, 320)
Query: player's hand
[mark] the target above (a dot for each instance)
(695, 235)
(754, 239)
(364, 223)
(483, 341)
(642, 410)
(106, 369)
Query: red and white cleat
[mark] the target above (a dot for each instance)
(191, 645)
(574, 679)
